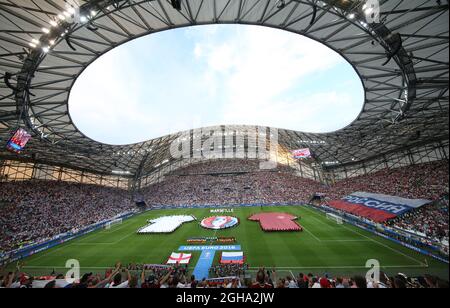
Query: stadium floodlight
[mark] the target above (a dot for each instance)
(70, 11)
(368, 11)
(121, 172)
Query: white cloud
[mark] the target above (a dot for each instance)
(223, 58)
(262, 66)
(106, 95)
(198, 51)
(221, 75)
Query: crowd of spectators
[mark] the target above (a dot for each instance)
(422, 181)
(39, 210)
(222, 182)
(230, 182)
(428, 181)
(228, 270)
(227, 166)
(219, 166)
(36, 211)
(430, 221)
(177, 277)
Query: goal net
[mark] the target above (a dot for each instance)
(112, 223)
(336, 218)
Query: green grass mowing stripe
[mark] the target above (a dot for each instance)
(387, 246)
(328, 231)
(302, 252)
(81, 240)
(348, 249)
(359, 234)
(371, 239)
(93, 252)
(312, 234)
(254, 246)
(328, 228)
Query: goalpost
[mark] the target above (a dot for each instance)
(336, 218)
(112, 223)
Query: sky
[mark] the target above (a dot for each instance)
(214, 75)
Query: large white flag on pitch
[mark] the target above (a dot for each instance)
(166, 224)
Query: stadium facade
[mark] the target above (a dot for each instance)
(401, 56)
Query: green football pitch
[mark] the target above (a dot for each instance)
(323, 246)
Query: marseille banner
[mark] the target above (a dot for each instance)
(376, 207)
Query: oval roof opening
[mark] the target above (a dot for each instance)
(202, 76)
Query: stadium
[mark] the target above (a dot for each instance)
(247, 204)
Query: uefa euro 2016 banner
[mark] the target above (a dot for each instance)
(376, 207)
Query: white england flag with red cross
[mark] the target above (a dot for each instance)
(179, 258)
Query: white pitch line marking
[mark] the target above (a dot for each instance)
(255, 269)
(373, 240)
(345, 241)
(110, 231)
(312, 234)
(386, 246)
(90, 244)
(293, 276)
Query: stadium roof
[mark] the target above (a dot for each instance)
(402, 60)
